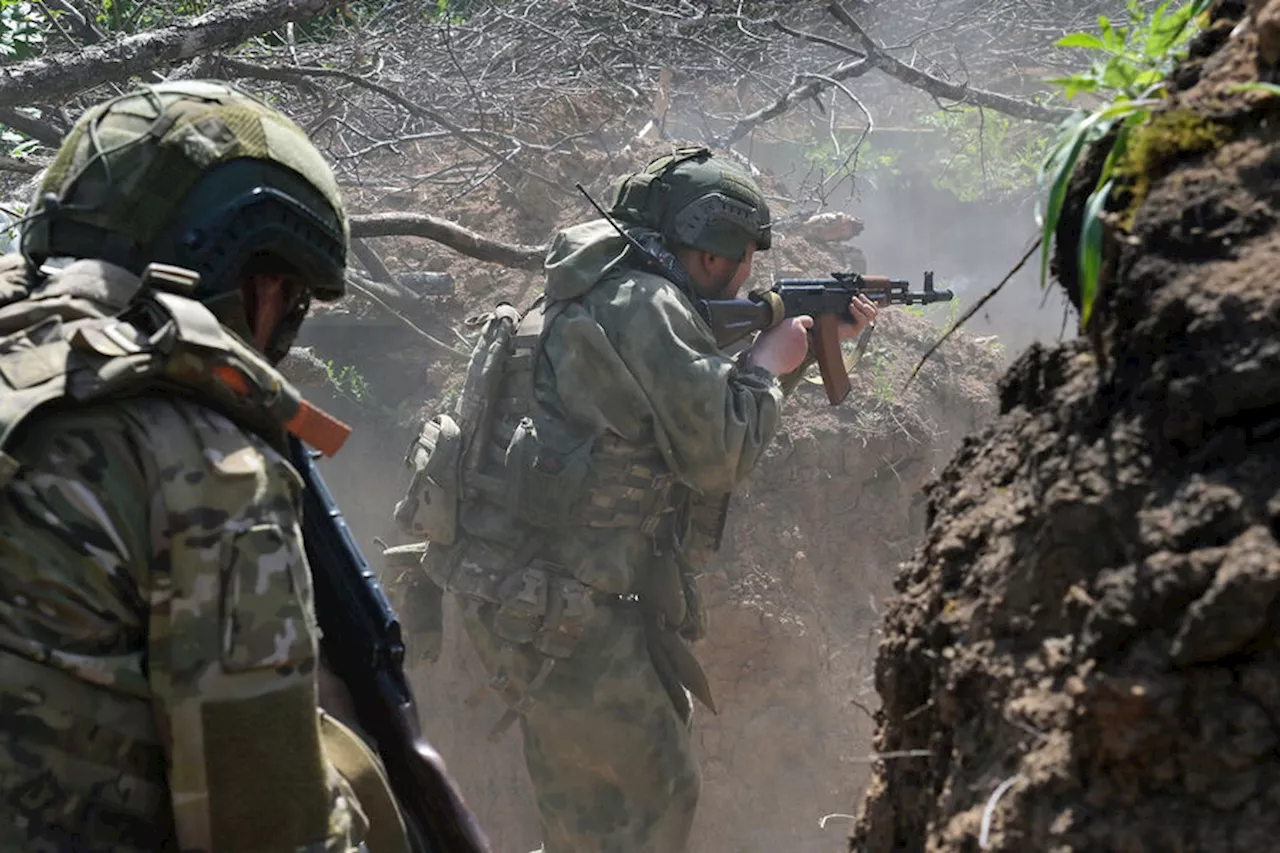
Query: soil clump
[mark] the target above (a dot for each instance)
(1083, 655)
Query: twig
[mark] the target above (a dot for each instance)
(901, 753)
(368, 293)
(822, 821)
(984, 836)
(977, 306)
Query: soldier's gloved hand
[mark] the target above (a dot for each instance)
(783, 348)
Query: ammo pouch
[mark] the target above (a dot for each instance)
(429, 508)
(538, 604)
(545, 474)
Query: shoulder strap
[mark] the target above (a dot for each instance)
(189, 353)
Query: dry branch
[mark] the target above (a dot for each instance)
(450, 234)
(816, 86)
(35, 128)
(22, 167)
(940, 88)
(51, 77)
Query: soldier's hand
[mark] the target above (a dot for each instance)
(783, 348)
(864, 314)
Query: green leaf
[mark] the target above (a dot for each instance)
(1164, 33)
(1090, 250)
(1061, 164)
(1082, 40)
(1269, 88)
(1119, 74)
(1074, 84)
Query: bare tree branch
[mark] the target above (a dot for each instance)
(817, 85)
(84, 28)
(940, 88)
(450, 234)
(48, 77)
(371, 261)
(22, 167)
(35, 128)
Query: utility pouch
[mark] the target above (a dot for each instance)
(696, 619)
(569, 609)
(545, 475)
(522, 605)
(703, 527)
(429, 508)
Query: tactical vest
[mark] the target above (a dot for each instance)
(503, 448)
(94, 332)
(544, 471)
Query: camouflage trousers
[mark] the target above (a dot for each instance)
(607, 747)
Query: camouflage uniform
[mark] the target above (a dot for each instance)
(158, 645)
(629, 377)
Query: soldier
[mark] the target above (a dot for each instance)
(580, 485)
(158, 645)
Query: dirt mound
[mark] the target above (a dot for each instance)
(1084, 655)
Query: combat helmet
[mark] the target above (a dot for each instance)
(693, 198)
(202, 176)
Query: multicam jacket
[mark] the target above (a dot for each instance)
(158, 646)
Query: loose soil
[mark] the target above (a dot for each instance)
(1083, 655)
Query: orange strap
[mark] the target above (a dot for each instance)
(309, 423)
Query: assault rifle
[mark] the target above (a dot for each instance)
(363, 646)
(826, 300)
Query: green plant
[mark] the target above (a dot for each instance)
(1129, 72)
(347, 380)
(989, 154)
(21, 30)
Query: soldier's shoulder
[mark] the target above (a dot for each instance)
(174, 438)
(195, 437)
(630, 289)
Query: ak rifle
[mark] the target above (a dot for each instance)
(826, 300)
(363, 646)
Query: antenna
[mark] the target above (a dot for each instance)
(635, 244)
(671, 271)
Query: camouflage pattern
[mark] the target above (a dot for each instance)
(202, 176)
(129, 163)
(606, 741)
(692, 198)
(627, 358)
(158, 646)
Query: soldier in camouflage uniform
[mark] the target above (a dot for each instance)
(579, 487)
(158, 646)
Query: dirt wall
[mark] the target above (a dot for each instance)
(1084, 654)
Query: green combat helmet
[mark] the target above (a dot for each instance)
(693, 198)
(201, 176)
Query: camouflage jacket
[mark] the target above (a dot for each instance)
(158, 645)
(628, 357)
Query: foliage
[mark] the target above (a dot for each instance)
(992, 154)
(348, 381)
(1128, 72)
(21, 30)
